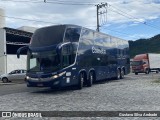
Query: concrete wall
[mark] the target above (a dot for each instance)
(2, 18)
(14, 63)
(2, 51)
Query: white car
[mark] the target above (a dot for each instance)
(14, 75)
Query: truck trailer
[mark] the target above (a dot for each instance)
(146, 63)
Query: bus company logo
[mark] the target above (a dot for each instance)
(100, 51)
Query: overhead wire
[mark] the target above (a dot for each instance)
(54, 2)
(113, 9)
(118, 11)
(28, 19)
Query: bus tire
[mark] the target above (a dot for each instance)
(122, 74)
(118, 74)
(80, 81)
(90, 79)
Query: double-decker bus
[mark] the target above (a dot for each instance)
(65, 55)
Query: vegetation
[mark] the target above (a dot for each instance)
(151, 45)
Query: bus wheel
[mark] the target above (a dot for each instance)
(91, 79)
(136, 73)
(122, 74)
(118, 74)
(80, 81)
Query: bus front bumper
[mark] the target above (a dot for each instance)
(49, 83)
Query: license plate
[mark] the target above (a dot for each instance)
(39, 85)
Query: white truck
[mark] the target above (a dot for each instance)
(145, 63)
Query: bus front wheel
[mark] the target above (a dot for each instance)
(80, 81)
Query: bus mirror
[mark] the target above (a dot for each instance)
(21, 49)
(64, 48)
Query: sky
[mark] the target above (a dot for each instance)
(126, 19)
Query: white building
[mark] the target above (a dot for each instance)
(2, 18)
(10, 41)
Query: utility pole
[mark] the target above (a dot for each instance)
(97, 18)
(98, 13)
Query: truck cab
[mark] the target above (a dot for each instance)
(140, 64)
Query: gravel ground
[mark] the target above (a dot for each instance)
(134, 93)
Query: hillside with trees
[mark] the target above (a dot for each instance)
(151, 45)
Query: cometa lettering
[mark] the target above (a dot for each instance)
(100, 51)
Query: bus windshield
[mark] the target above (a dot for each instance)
(46, 61)
(136, 63)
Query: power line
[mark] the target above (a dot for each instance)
(131, 17)
(55, 2)
(28, 19)
(33, 1)
(65, 3)
(117, 31)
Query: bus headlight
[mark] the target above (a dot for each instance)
(27, 77)
(55, 76)
(59, 75)
(62, 73)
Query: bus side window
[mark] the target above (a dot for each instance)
(67, 55)
(72, 34)
(65, 60)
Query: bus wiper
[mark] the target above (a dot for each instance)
(21, 49)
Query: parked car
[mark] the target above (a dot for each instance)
(14, 75)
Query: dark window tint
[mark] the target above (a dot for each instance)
(72, 34)
(68, 55)
(47, 36)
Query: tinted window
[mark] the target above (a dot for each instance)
(47, 36)
(72, 34)
(68, 55)
(87, 34)
(99, 39)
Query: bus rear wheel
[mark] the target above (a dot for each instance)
(118, 74)
(122, 74)
(91, 79)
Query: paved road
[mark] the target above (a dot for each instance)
(19, 87)
(134, 93)
(11, 88)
